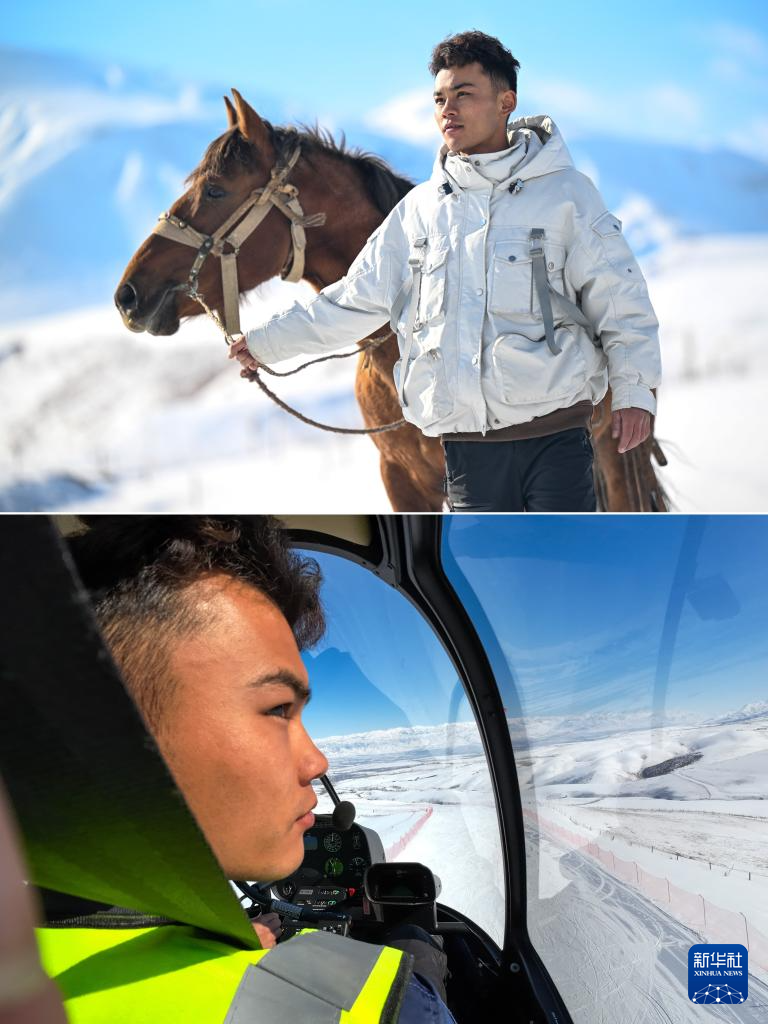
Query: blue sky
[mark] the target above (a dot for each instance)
(379, 665)
(694, 71)
(578, 605)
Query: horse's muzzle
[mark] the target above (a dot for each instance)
(158, 317)
(127, 302)
(126, 298)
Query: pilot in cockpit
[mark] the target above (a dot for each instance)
(205, 618)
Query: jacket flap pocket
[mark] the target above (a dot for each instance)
(436, 257)
(515, 251)
(607, 224)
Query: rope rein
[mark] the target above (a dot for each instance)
(253, 377)
(277, 193)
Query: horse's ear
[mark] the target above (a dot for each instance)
(231, 113)
(250, 124)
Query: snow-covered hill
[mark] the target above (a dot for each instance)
(695, 834)
(89, 156)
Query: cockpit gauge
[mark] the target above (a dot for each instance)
(358, 865)
(333, 867)
(332, 842)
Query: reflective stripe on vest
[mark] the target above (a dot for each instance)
(176, 973)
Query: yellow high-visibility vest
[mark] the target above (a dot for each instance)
(176, 974)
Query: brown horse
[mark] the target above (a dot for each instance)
(355, 191)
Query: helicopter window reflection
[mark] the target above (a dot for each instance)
(390, 715)
(631, 654)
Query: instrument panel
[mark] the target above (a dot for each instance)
(334, 864)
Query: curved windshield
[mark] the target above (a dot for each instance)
(634, 652)
(391, 716)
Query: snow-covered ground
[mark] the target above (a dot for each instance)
(95, 418)
(712, 306)
(391, 793)
(616, 952)
(614, 955)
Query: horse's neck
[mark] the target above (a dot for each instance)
(331, 257)
(351, 216)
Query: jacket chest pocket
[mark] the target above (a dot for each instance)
(432, 294)
(512, 291)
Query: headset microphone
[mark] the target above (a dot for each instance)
(343, 811)
(343, 815)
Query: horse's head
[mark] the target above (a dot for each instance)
(151, 295)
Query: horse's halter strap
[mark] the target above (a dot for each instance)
(247, 218)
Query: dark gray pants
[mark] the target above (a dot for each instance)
(429, 960)
(540, 474)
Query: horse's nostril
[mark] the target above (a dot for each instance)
(126, 297)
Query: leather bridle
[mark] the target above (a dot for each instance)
(234, 232)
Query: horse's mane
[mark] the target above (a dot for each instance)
(383, 187)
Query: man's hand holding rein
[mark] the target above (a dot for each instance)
(239, 350)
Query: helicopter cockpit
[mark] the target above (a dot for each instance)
(514, 764)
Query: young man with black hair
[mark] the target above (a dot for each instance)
(514, 295)
(205, 618)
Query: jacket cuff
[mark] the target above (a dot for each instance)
(260, 346)
(634, 396)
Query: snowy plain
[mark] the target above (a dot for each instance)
(97, 419)
(615, 953)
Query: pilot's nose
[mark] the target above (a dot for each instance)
(314, 761)
(126, 298)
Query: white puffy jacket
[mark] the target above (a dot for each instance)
(477, 360)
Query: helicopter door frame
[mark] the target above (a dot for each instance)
(405, 552)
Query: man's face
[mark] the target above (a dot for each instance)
(470, 114)
(232, 733)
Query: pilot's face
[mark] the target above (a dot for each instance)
(232, 732)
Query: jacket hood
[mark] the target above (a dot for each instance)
(548, 155)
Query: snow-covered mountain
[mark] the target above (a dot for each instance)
(91, 153)
(532, 730)
(748, 713)
(89, 156)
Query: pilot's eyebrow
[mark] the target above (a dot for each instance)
(453, 88)
(284, 678)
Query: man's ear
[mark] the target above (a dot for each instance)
(508, 101)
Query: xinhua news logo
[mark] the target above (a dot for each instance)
(717, 973)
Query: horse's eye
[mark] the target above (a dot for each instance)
(214, 192)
